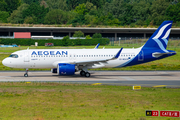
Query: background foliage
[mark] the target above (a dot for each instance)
(90, 12)
(64, 42)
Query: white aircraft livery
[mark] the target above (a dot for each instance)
(69, 61)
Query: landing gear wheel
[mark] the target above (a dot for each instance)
(87, 74)
(82, 73)
(25, 75)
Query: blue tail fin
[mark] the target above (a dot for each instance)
(159, 39)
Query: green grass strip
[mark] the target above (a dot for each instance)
(51, 101)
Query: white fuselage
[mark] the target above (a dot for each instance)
(49, 58)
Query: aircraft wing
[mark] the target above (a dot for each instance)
(89, 61)
(97, 61)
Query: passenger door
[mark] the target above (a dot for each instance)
(26, 56)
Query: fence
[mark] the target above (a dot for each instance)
(138, 42)
(128, 42)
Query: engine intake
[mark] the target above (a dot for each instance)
(54, 70)
(66, 69)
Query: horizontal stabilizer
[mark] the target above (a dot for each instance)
(157, 54)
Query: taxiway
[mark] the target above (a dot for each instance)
(130, 78)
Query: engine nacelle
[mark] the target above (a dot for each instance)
(65, 69)
(54, 70)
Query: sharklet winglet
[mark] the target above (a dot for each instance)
(117, 55)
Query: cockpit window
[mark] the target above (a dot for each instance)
(14, 56)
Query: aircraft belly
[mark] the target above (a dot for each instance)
(115, 63)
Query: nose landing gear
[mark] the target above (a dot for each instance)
(26, 74)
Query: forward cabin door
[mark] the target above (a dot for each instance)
(26, 56)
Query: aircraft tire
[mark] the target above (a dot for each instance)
(87, 74)
(82, 73)
(25, 75)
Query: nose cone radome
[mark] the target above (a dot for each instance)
(4, 62)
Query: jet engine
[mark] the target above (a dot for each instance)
(54, 70)
(65, 69)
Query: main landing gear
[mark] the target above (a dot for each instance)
(86, 74)
(26, 74)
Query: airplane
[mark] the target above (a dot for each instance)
(69, 61)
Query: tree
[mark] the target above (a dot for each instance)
(12, 5)
(3, 16)
(36, 10)
(82, 16)
(120, 10)
(57, 4)
(57, 16)
(16, 16)
(98, 3)
(141, 12)
(97, 35)
(158, 10)
(30, 20)
(3, 5)
(30, 1)
(71, 4)
(173, 12)
(78, 34)
(43, 3)
(81, 9)
(89, 19)
(88, 37)
(65, 41)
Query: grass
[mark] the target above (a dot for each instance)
(51, 101)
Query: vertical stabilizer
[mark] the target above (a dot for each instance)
(159, 39)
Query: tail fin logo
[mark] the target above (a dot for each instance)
(161, 37)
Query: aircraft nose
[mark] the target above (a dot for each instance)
(4, 62)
